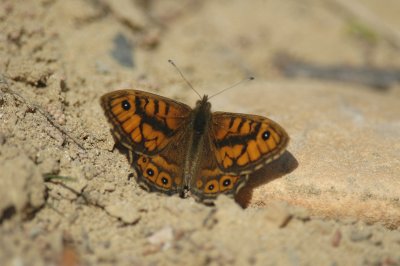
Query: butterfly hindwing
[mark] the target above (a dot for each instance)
(156, 174)
(211, 183)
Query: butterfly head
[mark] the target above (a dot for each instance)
(203, 104)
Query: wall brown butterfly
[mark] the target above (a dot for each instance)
(176, 149)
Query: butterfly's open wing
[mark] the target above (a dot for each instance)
(148, 127)
(143, 122)
(244, 143)
(239, 144)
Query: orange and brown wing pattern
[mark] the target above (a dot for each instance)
(211, 180)
(244, 143)
(211, 183)
(156, 173)
(143, 122)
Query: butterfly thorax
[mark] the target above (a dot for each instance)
(201, 115)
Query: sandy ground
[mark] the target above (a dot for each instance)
(328, 71)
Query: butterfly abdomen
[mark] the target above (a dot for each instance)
(201, 118)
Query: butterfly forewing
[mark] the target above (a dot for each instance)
(143, 122)
(244, 143)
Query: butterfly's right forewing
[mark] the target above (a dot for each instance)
(143, 122)
(243, 143)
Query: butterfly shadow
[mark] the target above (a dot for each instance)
(274, 170)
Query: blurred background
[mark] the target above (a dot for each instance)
(353, 42)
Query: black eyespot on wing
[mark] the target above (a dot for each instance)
(211, 187)
(164, 181)
(226, 182)
(150, 172)
(265, 135)
(125, 105)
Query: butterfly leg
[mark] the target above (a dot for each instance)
(185, 192)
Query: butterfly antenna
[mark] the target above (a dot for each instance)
(232, 86)
(183, 77)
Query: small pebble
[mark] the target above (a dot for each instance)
(360, 235)
(301, 214)
(102, 68)
(108, 187)
(278, 213)
(151, 39)
(57, 114)
(336, 238)
(162, 237)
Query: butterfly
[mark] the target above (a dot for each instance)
(176, 149)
